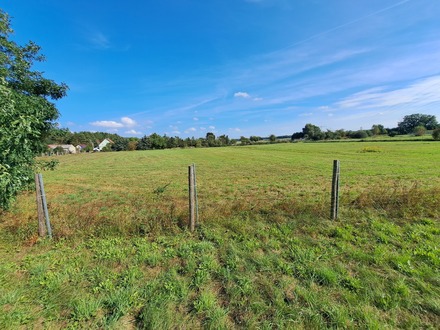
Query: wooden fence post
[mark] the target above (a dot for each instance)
(46, 212)
(192, 201)
(335, 190)
(41, 228)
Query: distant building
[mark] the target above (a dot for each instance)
(103, 144)
(67, 148)
(81, 147)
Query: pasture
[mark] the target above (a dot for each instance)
(265, 254)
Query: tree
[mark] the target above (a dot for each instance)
(120, 144)
(272, 138)
(297, 136)
(436, 134)
(312, 132)
(224, 140)
(26, 112)
(378, 129)
(410, 122)
(210, 139)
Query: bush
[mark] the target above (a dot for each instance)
(436, 134)
(419, 131)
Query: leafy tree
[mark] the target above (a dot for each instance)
(410, 122)
(272, 138)
(244, 140)
(224, 140)
(378, 129)
(312, 132)
(210, 139)
(254, 138)
(297, 136)
(120, 144)
(26, 112)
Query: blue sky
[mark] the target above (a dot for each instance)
(235, 67)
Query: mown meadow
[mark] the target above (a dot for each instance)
(264, 255)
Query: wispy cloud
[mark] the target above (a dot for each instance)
(420, 93)
(98, 40)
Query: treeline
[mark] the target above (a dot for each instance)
(416, 124)
(89, 140)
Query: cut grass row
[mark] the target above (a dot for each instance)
(265, 255)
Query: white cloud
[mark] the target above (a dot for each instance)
(107, 123)
(125, 122)
(211, 127)
(191, 129)
(176, 132)
(235, 129)
(203, 128)
(128, 122)
(195, 119)
(257, 98)
(242, 94)
(134, 132)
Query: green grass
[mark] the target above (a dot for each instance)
(264, 256)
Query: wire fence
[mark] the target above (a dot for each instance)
(162, 203)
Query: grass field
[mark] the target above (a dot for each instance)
(265, 255)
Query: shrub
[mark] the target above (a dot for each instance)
(436, 134)
(419, 131)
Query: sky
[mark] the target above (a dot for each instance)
(235, 67)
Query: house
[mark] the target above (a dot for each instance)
(103, 144)
(67, 148)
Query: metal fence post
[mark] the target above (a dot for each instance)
(192, 201)
(41, 228)
(46, 212)
(335, 190)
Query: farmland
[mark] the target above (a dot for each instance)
(265, 254)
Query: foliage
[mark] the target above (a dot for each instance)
(419, 131)
(26, 114)
(46, 165)
(312, 132)
(436, 134)
(410, 122)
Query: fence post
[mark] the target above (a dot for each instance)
(335, 190)
(195, 195)
(192, 201)
(41, 228)
(46, 212)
